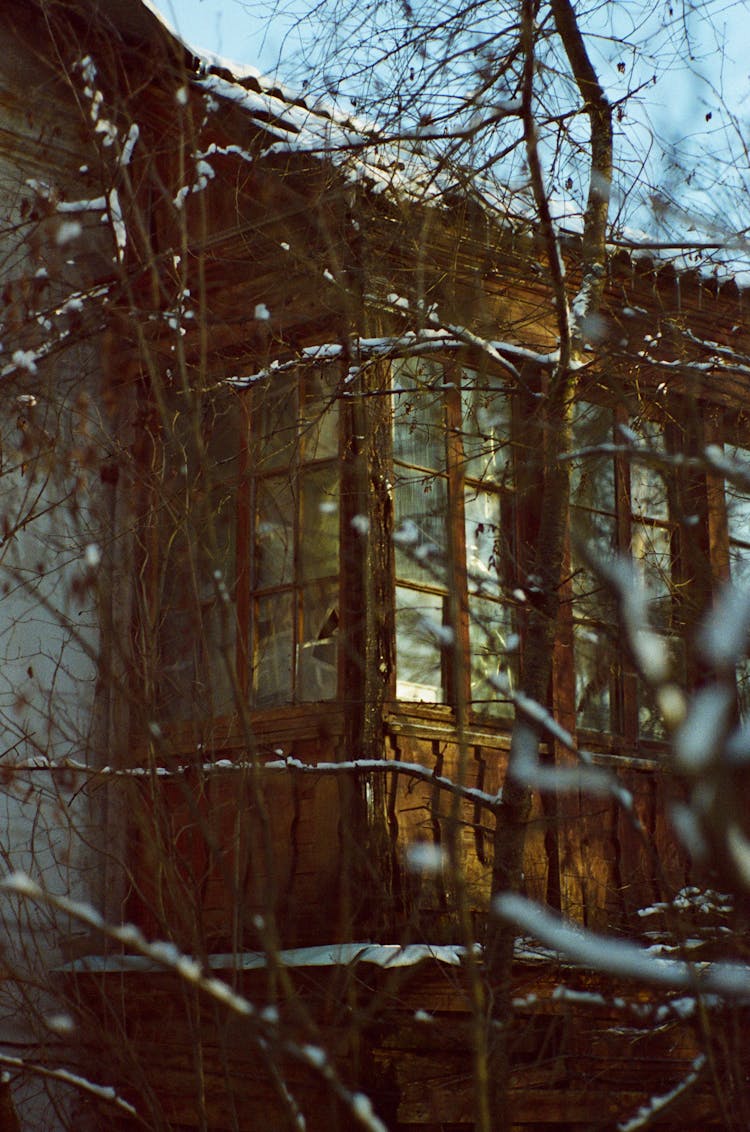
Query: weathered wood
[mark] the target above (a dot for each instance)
(569, 1062)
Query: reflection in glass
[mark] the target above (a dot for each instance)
(276, 424)
(738, 524)
(319, 522)
(738, 520)
(274, 533)
(418, 414)
(317, 669)
(493, 645)
(421, 635)
(593, 672)
(272, 653)
(421, 536)
(484, 552)
(592, 475)
(319, 426)
(651, 547)
(593, 511)
(650, 722)
(485, 413)
(648, 495)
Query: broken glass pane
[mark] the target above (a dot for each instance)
(317, 669)
(485, 550)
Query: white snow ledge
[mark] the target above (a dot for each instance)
(326, 955)
(384, 955)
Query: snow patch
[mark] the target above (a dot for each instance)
(425, 858)
(68, 231)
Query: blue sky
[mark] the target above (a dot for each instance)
(692, 123)
(227, 28)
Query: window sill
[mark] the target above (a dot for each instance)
(437, 721)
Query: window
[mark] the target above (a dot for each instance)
(594, 529)
(738, 530)
(293, 480)
(453, 504)
(261, 583)
(619, 504)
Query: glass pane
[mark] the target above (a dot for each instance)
(738, 524)
(224, 511)
(274, 533)
(420, 640)
(592, 515)
(272, 652)
(743, 689)
(418, 414)
(648, 493)
(651, 548)
(597, 534)
(317, 671)
(650, 722)
(276, 425)
(420, 535)
(320, 418)
(739, 560)
(594, 667)
(485, 549)
(738, 520)
(494, 646)
(485, 413)
(592, 476)
(319, 527)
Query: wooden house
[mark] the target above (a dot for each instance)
(274, 447)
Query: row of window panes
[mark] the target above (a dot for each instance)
(594, 528)
(738, 525)
(295, 475)
(295, 539)
(427, 458)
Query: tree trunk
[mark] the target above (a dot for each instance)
(550, 517)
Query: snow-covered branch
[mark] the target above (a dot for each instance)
(66, 1077)
(621, 958)
(166, 955)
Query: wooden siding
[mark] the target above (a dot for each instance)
(404, 1036)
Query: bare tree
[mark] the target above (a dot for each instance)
(335, 461)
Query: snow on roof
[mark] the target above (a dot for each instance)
(296, 124)
(358, 148)
(365, 153)
(385, 955)
(326, 955)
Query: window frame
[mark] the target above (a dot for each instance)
(300, 584)
(455, 658)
